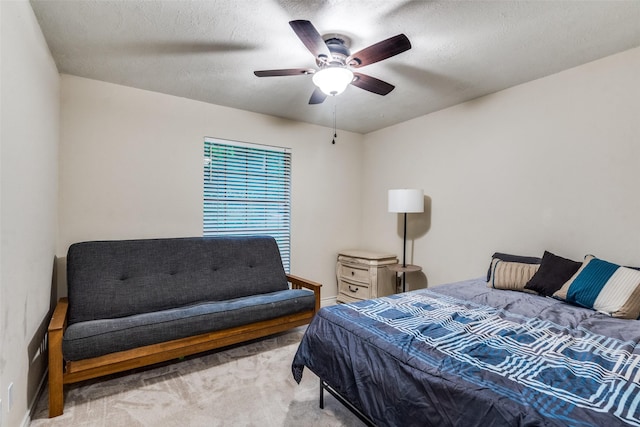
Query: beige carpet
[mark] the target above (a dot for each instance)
(245, 385)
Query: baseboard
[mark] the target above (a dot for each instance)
(32, 405)
(324, 302)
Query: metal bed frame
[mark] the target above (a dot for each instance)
(358, 413)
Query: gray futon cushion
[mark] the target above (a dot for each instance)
(98, 337)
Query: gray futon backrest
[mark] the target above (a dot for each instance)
(108, 279)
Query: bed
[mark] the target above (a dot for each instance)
(467, 355)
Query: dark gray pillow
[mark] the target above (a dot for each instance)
(512, 258)
(554, 271)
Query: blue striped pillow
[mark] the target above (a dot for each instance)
(605, 287)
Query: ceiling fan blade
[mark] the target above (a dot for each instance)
(285, 72)
(311, 38)
(317, 97)
(379, 51)
(372, 84)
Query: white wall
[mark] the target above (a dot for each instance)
(551, 164)
(131, 167)
(28, 195)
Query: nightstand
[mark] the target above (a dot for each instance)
(363, 275)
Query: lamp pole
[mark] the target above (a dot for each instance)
(404, 244)
(404, 255)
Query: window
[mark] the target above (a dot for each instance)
(247, 191)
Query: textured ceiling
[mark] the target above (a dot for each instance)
(208, 50)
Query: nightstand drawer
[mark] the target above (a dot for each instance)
(354, 274)
(342, 298)
(354, 290)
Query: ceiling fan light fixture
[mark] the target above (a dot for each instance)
(333, 80)
(335, 62)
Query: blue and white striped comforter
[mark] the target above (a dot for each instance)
(466, 355)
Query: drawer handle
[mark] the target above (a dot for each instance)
(354, 291)
(353, 273)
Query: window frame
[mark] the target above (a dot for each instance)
(247, 191)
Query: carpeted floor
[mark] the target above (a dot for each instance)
(245, 385)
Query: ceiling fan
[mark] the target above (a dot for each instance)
(336, 63)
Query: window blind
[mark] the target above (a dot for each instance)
(247, 191)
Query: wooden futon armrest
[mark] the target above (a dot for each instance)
(59, 318)
(299, 283)
(56, 330)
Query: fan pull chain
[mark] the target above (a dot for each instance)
(335, 134)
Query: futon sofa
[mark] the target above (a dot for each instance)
(133, 303)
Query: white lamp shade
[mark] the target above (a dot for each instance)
(406, 201)
(333, 80)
